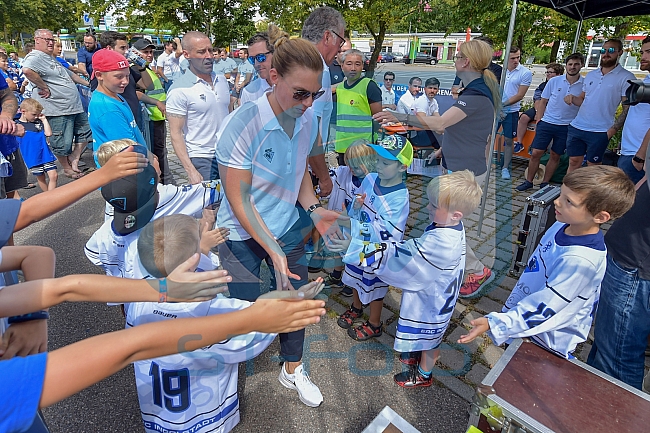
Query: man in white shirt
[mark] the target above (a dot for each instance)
(197, 103)
(603, 90)
(518, 80)
(553, 119)
(387, 92)
(414, 100)
(171, 64)
(431, 89)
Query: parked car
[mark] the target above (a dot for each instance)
(422, 58)
(388, 57)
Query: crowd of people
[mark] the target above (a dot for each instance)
(264, 142)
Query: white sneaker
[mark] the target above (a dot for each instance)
(505, 174)
(300, 381)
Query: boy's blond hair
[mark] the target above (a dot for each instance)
(31, 104)
(110, 148)
(361, 155)
(166, 242)
(603, 188)
(458, 191)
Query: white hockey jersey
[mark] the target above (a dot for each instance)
(382, 218)
(109, 250)
(192, 392)
(429, 270)
(555, 298)
(345, 187)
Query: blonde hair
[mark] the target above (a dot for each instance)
(359, 154)
(294, 53)
(603, 188)
(110, 148)
(31, 104)
(458, 191)
(479, 54)
(166, 242)
(274, 33)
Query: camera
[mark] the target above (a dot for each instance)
(637, 92)
(136, 57)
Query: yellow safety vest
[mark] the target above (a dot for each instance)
(353, 115)
(158, 93)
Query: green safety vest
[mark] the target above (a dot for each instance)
(353, 115)
(158, 93)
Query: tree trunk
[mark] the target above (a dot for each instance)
(554, 49)
(379, 42)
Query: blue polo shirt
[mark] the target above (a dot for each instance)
(21, 388)
(85, 56)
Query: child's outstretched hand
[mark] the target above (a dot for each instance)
(308, 291)
(480, 326)
(274, 316)
(358, 201)
(184, 284)
(339, 245)
(212, 238)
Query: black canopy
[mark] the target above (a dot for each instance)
(583, 9)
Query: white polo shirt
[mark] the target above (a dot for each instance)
(636, 126)
(409, 104)
(602, 97)
(520, 76)
(432, 106)
(323, 105)
(387, 96)
(252, 139)
(254, 90)
(557, 111)
(204, 107)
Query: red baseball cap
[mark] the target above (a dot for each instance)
(106, 60)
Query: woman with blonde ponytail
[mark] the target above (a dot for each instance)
(262, 153)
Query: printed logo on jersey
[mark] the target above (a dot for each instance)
(202, 96)
(461, 103)
(268, 154)
(129, 221)
(547, 247)
(533, 265)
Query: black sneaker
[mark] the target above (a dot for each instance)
(526, 185)
(543, 185)
(346, 291)
(412, 378)
(333, 283)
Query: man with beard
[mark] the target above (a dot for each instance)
(633, 144)
(85, 54)
(197, 103)
(554, 117)
(603, 90)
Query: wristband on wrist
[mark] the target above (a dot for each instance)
(312, 208)
(637, 159)
(162, 290)
(39, 315)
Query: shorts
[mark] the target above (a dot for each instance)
(509, 124)
(72, 128)
(593, 144)
(530, 113)
(18, 179)
(547, 132)
(40, 170)
(208, 167)
(234, 93)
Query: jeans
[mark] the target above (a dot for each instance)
(625, 164)
(622, 325)
(242, 260)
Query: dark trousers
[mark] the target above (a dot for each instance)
(242, 260)
(158, 132)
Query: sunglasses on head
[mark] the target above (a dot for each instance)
(259, 58)
(301, 95)
(608, 50)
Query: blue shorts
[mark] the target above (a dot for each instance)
(208, 167)
(509, 124)
(593, 144)
(545, 132)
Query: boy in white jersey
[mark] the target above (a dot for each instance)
(380, 209)
(554, 301)
(192, 391)
(429, 270)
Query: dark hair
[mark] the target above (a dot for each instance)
(92, 35)
(261, 37)
(433, 81)
(514, 49)
(556, 67)
(615, 41)
(414, 79)
(321, 20)
(292, 53)
(109, 38)
(245, 50)
(602, 188)
(389, 73)
(645, 40)
(485, 39)
(3, 56)
(575, 56)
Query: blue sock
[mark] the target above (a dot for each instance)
(337, 274)
(425, 374)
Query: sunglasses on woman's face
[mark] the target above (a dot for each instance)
(259, 58)
(608, 50)
(301, 95)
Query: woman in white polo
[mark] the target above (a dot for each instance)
(262, 153)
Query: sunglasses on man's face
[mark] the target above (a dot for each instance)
(389, 79)
(259, 58)
(608, 50)
(301, 95)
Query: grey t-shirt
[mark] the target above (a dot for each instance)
(463, 145)
(64, 97)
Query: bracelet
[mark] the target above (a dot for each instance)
(638, 159)
(162, 290)
(312, 208)
(39, 315)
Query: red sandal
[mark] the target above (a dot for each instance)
(346, 319)
(365, 331)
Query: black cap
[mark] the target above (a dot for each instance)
(134, 199)
(143, 43)
(9, 210)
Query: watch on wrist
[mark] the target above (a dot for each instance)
(637, 159)
(312, 208)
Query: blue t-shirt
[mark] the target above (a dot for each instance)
(21, 390)
(83, 56)
(111, 119)
(63, 62)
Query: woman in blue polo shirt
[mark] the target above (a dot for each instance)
(262, 153)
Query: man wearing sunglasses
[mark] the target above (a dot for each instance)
(260, 53)
(603, 90)
(387, 92)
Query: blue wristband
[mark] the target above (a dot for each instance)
(162, 290)
(39, 315)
